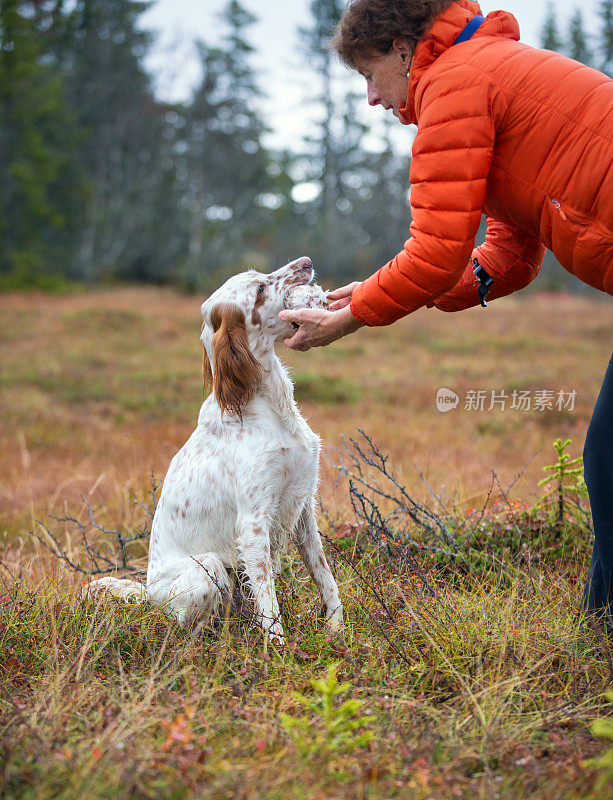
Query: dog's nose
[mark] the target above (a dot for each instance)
(305, 262)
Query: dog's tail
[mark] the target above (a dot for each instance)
(189, 588)
(132, 591)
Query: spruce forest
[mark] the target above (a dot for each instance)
(103, 182)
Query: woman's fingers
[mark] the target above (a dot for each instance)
(343, 291)
(338, 304)
(298, 315)
(303, 317)
(318, 327)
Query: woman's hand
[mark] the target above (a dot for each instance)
(319, 327)
(342, 297)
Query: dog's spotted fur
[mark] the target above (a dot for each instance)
(244, 482)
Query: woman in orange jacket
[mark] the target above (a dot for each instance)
(524, 136)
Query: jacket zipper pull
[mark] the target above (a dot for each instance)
(558, 208)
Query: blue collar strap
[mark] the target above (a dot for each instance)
(468, 31)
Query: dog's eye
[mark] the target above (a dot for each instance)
(261, 288)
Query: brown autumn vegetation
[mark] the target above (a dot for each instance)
(469, 668)
(100, 389)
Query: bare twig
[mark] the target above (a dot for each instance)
(100, 563)
(369, 457)
(392, 636)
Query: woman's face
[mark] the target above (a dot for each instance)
(386, 77)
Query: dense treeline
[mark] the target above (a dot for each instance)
(100, 180)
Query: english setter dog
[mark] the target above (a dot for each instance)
(243, 484)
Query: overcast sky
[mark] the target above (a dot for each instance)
(279, 60)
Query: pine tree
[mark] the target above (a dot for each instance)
(335, 157)
(225, 163)
(605, 13)
(39, 181)
(326, 14)
(385, 209)
(127, 150)
(550, 38)
(578, 47)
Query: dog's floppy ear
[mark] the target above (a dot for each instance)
(236, 371)
(207, 373)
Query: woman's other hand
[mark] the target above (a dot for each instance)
(319, 327)
(342, 297)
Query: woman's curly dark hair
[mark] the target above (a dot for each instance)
(368, 27)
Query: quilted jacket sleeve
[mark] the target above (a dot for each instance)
(452, 155)
(511, 257)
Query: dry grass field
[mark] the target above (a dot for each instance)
(99, 390)
(469, 670)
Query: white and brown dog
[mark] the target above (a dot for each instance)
(243, 485)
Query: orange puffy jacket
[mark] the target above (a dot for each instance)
(524, 136)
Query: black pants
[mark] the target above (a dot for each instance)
(598, 463)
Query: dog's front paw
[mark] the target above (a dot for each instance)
(277, 639)
(275, 635)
